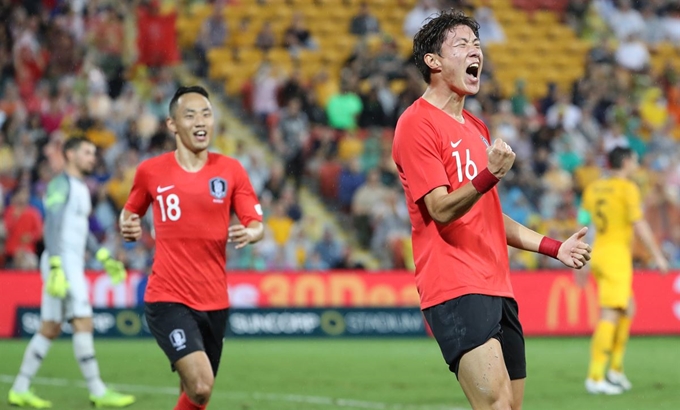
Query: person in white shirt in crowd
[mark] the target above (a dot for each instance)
(626, 20)
(417, 17)
(632, 53)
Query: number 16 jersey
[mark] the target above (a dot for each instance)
(191, 214)
(468, 255)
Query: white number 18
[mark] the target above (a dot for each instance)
(470, 166)
(169, 208)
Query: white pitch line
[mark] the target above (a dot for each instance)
(236, 395)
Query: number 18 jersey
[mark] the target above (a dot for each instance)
(191, 213)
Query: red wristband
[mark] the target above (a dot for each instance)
(484, 181)
(549, 247)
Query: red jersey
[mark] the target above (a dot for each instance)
(191, 214)
(470, 254)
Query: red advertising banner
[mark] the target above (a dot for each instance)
(550, 302)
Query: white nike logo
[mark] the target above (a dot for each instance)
(163, 189)
(456, 144)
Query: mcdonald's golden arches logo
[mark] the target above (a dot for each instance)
(564, 287)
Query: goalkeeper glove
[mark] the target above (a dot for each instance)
(114, 268)
(56, 279)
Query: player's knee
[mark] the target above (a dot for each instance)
(50, 330)
(83, 324)
(201, 390)
(502, 398)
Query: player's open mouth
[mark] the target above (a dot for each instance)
(200, 135)
(473, 70)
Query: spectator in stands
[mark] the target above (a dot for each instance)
(280, 224)
(266, 38)
(24, 227)
(625, 20)
(213, 34)
(587, 172)
(670, 24)
(651, 34)
(265, 87)
(575, 15)
(344, 108)
(392, 226)
(563, 114)
(7, 164)
(290, 138)
(372, 113)
(25, 151)
(369, 194)
(349, 180)
(387, 61)
(277, 180)
(297, 36)
(632, 53)
(490, 30)
(416, 18)
(330, 249)
(364, 22)
(293, 87)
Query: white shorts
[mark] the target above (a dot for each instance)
(76, 304)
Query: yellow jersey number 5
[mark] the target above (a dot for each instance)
(600, 221)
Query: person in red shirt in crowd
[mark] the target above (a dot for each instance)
(192, 192)
(24, 226)
(449, 168)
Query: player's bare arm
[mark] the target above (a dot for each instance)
(573, 253)
(243, 235)
(130, 226)
(644, 231)
(446, 207)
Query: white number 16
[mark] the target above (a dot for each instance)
(470, 166)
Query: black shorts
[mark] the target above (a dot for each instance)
(180, 330)
(464, 323)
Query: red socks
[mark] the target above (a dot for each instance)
(184, 403)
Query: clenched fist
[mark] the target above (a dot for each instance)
(501, 157)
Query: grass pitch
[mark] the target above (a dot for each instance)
(311, 374)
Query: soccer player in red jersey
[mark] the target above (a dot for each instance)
(193, 193)
(449, 168)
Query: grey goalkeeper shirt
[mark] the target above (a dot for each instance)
(67, 210)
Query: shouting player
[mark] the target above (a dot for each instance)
(65, 295)
(449, 168)
(613, 205)
(193, 193)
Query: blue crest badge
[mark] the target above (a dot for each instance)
(218, 188)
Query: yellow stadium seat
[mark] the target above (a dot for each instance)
(397, 86)
(311, 12)
(278, 55)
(249, 54)
(240, 39)
(309, 56)
(544, 17)
(405, 46)
(339, 15)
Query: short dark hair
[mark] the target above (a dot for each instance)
(185, 90)
(431, 36)
(74, 143)
(617, 156)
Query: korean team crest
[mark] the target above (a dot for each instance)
(218, 188)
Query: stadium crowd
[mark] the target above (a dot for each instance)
(67, 68)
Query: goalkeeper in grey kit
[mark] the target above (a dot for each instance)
(65, 294)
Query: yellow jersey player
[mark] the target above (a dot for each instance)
(613, 205)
